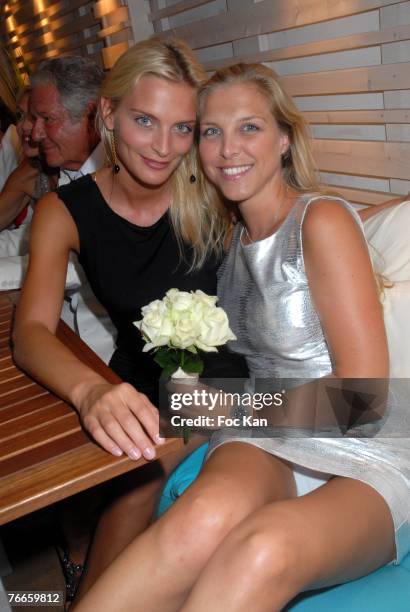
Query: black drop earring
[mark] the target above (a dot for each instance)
(115, 166)
(286, 157)
(192, 178)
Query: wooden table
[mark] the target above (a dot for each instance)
(44, 454)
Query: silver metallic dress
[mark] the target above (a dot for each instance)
(264, 289)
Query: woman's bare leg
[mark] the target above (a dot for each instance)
(157, 571)
(134, 499)
(339, 532)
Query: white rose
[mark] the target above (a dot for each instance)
(204, 298)
(184, 332)
(203, 303)
(214, 330)
(179, 300)
(157, 307)
(183, 310)
(156, 325)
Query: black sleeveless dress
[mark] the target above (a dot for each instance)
(127, 267)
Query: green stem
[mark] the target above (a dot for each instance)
(186, 432)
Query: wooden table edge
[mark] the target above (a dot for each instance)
(97, 465)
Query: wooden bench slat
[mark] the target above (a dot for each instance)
(19, 395)
(32, 420)
(27, 407)
(49, 482)
(6, 362)
(12, 386)
(34, 457)
(10, 373)
(36, 437)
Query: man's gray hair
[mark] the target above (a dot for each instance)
(77, 79)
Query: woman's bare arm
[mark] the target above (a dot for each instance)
(344, 291)
(346, 297)
(111, 413)
(17, 191)
(371, 211)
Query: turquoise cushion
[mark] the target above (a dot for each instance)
(180, 479)
(386, 589)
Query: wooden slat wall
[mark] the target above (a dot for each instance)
(35, 30)
(346, 62)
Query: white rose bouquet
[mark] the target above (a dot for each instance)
(181, 325)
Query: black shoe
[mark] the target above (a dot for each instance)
(72, 572)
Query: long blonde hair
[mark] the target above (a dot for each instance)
(197, 214)
(297, 163)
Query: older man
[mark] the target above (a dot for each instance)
(62, 108)
(62, 111)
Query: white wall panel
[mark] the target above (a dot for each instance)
(139, 10)
(398, 14)
(396, 52)
(366, 22)
(356, 182)
(397, 99)
(246, 46)
(340, 102)
(329, 61)
(378, 159)
(206, 54)
(399, 133)
(271, 16)
(350, 132)
(400, 187)
(215, 7)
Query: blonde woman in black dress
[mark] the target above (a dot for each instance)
(142, 225)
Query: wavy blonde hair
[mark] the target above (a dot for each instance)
(197, 214)
(298, 166)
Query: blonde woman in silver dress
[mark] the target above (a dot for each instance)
(303, 301)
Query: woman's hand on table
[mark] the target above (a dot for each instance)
(120, 419)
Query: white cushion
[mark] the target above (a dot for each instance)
(81, 310)
(388, 235)
(10, 151)
(396, 305)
